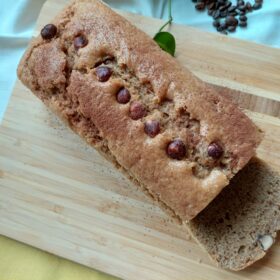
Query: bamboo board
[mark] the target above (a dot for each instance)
(58, 194)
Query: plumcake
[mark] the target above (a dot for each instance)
(167, 130)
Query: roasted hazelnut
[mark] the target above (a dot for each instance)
(80, 42)
(137, 110)
(123, 96)
(103, 73)
(215, 150)
(152, 128)
(48, 31)
(176, 149)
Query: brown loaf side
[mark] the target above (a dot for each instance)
(65, 79)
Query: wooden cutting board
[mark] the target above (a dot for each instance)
(58, 194)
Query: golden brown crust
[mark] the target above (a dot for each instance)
(53, 68)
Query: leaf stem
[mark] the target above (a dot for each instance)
(170, 19)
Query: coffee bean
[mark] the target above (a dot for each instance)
(200, 6)
(176, 149)
(216, 14)
(259, 1)
(123, 96)
(228, 4)
(216, 23)
(223, 14)
(249, 7)
(103, 73)
(243, 23)
(257, 6)
(215, 150)
(243, 18)
(233, 14)
(242, 8)
(221, 1)
(240, 2)
(222, 8)
(137, 110)
(231, 21)
(80, 42)
(48, 31)
(231, 9)
(231, 28)
(210, 12)
(224, 32)
(211, 6)
(152, 128)
(222, 26)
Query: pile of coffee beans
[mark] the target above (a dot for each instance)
(226, 14)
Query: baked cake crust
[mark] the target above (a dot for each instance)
(200, 139)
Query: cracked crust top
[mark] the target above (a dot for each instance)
(185, 176)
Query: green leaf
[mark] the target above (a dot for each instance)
(166, 41)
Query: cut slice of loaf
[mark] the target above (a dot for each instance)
(240, 225)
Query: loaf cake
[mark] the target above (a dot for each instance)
(240, 225)
(158, 123)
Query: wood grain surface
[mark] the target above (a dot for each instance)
(60, 195)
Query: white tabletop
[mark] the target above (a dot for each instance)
(18, 18)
